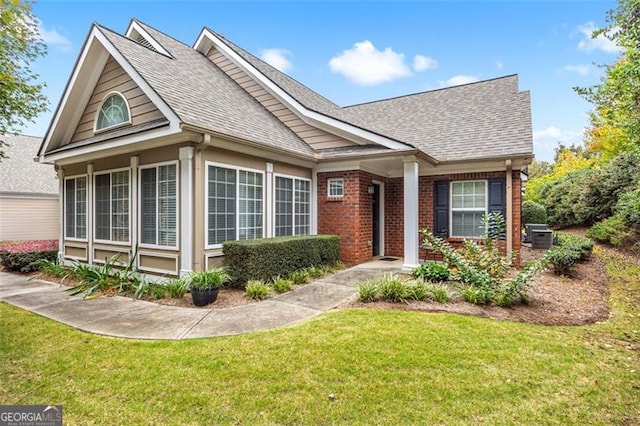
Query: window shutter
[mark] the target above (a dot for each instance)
(441, 208)
(497, 195)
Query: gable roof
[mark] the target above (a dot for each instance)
(19, 174)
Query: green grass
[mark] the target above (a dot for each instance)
(385, 367)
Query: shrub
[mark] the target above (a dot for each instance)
(533, 212)
(628, 207)
(517, 286)
(475, 295)
(487, 257)
(54, 268)
(265, 258)
(315, 272)
(564, 199)
(176, 288)
(569, 250)
(114, 277)
(25, 256)
(158, 291)
(282, 285)
(368, 291)
(432, 271)
(141, 289)
(256, 289)
(612, 230)
(438, 292)
(393, 288)
(300, 277)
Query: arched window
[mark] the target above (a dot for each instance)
(113, 111)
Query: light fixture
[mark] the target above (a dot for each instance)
(371, 189)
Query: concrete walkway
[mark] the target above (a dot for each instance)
(135, 319)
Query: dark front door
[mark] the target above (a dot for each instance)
(376, 220)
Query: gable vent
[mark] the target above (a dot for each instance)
(144, 42)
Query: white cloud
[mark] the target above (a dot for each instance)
(423, 63)
(499, 65)
(53, 37)
(601, 42)
(457, 80)
(277, 58)
(545, 141)
(365, 65)
(583, 70)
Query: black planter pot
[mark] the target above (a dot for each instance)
(204, 296)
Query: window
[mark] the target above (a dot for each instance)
(468, 205)
(335, 187)
(159, 205)
(112, 206)
(75, 207)
(234, 204)
(292, 209)
(113, 111)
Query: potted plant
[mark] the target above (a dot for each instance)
(205, 285)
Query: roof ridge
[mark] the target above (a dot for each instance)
(147, 26)
(431, 91)
(234, 45)
(102, 27)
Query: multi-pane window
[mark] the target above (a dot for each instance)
(468, 205)
(159, 204)
(292, 206)
(113, 111)
(75, 208)
(335, 187)
(234, 204)
(112, 206)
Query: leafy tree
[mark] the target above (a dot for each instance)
(21, 98)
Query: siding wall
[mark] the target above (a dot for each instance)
(114, 78)
(28, 219)
(316, 138)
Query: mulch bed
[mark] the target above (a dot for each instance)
(553, 300)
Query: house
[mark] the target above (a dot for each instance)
(28, 192)
(173, 149)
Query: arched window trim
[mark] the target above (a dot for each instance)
(107, 96)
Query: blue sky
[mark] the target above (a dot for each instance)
(353, 52)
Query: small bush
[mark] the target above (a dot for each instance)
(176, 288)
(368, 291)
(439, 292)
(417, 290)
(533, 212)
(54, 269)
(26, 261)
(433, 271)
(158, 291)
(315, 272)
(569, 250)
(393, 289)
(282, 285)
(611, 231)
(257, 290)
(475, 295)
(300, 277)
(141, 289)
(265, 258)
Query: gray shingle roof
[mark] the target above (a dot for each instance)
(487, 119)
(203, 95)
(19, 173)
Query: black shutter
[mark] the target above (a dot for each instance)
(497, 195)
(441, 208)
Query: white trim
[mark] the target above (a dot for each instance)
(464, 209)
(174, 257)
(99, 110)
(185, 217)
(134, 160)
(381, 213)
(63, 218)
(104, 172)
(269, 206)
(314, 202)
(27, 196)
(90, 171)
(313, 118)
(61, 228)
(335, 179)
(411, 207)
(293, 201)
(134, 26)
(90, 73)
(178, 205)
(206, 199)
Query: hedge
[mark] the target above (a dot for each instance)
(25, 256)
(267, 258)
(533, 212)
(570, 249)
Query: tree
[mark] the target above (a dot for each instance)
(21, 98)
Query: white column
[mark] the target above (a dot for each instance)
(509, 208)
(411, 201)
(90, 191)
(269, 204)
(186, 210)
(133, 209)
(61, 216)
(314, 202)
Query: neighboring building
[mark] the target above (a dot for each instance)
(28, 192)
(175, 149)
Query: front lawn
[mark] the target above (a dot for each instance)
(344, 367)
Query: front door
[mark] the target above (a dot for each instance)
(376, 220)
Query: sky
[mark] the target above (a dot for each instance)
(353, 52)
